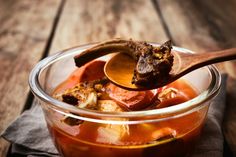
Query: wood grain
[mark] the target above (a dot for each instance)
(80, 24)
(26, 26)
(206, 26)
(199, 25)
(25, 29)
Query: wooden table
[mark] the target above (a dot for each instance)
(31, 30)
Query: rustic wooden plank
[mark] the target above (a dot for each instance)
(25, 29)
(79, 24)
(203, 26)
(199, 25)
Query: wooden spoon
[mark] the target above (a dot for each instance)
(119, 69)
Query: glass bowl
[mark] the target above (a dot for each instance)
(103, 129)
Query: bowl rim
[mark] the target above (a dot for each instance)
(70, 110)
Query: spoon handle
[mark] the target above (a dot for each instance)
(195, 61)
(202, 59)
(218, 56)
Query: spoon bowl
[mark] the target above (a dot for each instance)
(119, 69)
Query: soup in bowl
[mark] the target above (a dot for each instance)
(87, 115)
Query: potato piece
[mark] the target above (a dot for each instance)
(112, 134)
(109, 106)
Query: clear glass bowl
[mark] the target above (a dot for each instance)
(186, 118)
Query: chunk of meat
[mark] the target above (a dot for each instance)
(82, 95)
(164, 133)
(131, 100)
(153, 63)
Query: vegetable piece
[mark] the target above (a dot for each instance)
(171, 96)
(109, 106)
(90, 101)
(92, 71)
(89, 72)
(112, 134)
(168, 93)
(131, 100)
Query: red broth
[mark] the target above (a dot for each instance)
(169, 138)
